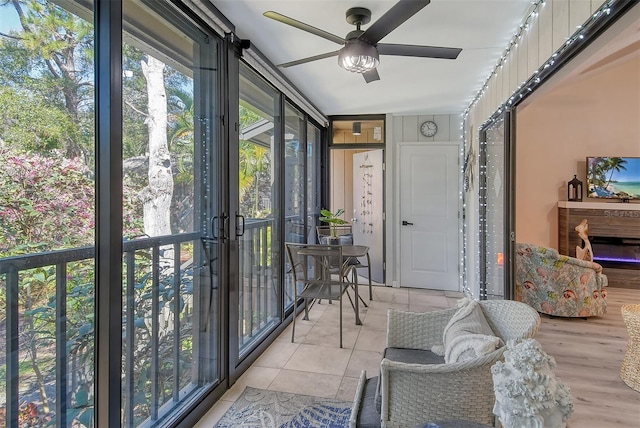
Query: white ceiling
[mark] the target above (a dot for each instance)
(482, 28)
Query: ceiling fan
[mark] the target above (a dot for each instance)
(361, 51)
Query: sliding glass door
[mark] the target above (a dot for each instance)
(170, 291)
(496, 232)
(257, 216)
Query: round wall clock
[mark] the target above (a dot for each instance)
(428, 128)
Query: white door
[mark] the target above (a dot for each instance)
(429, 195)
(368, 208)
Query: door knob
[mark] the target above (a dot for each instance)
(406, 223)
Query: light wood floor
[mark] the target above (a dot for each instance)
(589, 354)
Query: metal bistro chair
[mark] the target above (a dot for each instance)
(345, 234)
(319, 273)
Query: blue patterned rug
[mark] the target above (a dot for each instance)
(272, 409)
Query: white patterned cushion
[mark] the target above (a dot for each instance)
(469, 346)
(468, 334)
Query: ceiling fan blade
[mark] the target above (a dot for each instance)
(309, 59)
(392, 19)
(304, 27)
(371, 75)
(420, 51)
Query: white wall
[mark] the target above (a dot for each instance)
(593, 115)
(407, 129)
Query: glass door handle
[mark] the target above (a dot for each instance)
(219, 224)
(214, 221)
(241, 223)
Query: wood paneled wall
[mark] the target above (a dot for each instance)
(407, 128)
(556, 22)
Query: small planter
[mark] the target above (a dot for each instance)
(330, 240)
(333, 241)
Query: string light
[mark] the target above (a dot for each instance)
(537, 5)
(463, 250)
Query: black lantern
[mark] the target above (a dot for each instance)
(574, 190)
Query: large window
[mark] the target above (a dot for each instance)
(357, 131)
(47, 216)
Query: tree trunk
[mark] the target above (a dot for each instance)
(156, 197)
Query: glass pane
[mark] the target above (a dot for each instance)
(294, 182)
(358, 131)
(168, 74)
(47, 199)
(314, 181)
(258, 192)
(294, 159)
(495, 210)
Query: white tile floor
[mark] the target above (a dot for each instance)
(314, 364)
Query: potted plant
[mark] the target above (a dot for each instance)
(334, 220)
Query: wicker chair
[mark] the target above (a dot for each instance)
(413, 394)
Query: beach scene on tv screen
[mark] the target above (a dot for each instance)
(613, 177)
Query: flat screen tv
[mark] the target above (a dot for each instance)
(613, 177)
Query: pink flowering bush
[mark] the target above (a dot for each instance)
(46, 202)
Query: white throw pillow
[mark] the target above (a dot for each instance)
(469, 346)
(468, 334)
(467, 320)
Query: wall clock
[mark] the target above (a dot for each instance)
(428, 128)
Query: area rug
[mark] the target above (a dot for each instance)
(272, 409)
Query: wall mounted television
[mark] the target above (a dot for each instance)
(613, 177)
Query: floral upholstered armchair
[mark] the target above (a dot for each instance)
(559, 285)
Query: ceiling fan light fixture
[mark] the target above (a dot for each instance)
(358, 57)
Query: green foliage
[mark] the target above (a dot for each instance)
(255, 167)
(255, 177)
(51, 59)
(135, 141)
(142, 351)
(32, 125)
(601, 170)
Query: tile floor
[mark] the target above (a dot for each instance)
(314, 364)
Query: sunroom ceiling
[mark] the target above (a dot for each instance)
(482, 28)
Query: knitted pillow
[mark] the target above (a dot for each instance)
(469, 346)
(467, 334)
